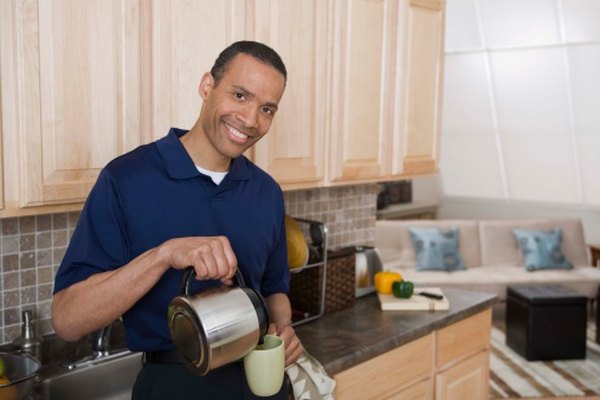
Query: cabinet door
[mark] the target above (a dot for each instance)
(187, 36)
(463, 339)
(416, 133)
(468, 379)
(388, 374)
(71, 94)
(293, 151)
(363, 58)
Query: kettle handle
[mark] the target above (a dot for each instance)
(190, 273)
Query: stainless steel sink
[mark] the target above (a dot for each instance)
(109, 379)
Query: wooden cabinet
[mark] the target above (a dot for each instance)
(364, 91)
(389, 374)
(466, 380)
(364, 44)
(462, 359)
(419, 391)
(415, 141)
(386, 103)
(449, 364)
(293, 151)
(463, 339)
(83, 82)
(186, 38)
(71, 96)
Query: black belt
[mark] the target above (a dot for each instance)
(162, 357)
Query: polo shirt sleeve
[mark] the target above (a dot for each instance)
(277, 274)
(99, 242)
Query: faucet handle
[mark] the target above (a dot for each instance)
(101, 341)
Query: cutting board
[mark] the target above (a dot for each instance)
(416, 302)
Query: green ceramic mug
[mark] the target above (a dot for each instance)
(265, 365)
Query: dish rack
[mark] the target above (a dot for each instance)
(308, 283)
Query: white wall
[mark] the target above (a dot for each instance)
(521, 126)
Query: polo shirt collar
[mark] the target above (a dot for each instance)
(180, 165)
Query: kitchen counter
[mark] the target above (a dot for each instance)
(345, 338)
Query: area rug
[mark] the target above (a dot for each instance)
(513, 377)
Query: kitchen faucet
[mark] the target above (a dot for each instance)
(101, 342)
(100, 350)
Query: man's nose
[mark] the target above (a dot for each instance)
(249, 116)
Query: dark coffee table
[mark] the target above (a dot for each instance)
(546, 322)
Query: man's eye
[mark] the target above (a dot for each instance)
(239, 96)
(268, 111)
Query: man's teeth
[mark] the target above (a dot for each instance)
(237, 133)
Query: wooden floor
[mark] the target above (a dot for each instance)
(498, 320)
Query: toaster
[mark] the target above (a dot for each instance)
(367, 264)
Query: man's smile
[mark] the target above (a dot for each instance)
(236, 135)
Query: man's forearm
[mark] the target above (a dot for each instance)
(102, 298)
(280, 310)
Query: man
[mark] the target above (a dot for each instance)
(188, 199)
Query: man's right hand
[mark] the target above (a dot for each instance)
(211, 257)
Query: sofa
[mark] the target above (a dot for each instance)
(490, 254)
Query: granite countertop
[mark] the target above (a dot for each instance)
(345, 338)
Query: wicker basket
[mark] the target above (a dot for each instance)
(306, 286)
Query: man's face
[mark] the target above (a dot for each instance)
(238, 111)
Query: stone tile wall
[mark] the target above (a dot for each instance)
(31, 248)
(348, 211)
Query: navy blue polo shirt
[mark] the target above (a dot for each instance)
(155, 193)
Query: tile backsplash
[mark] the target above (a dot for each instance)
(32, 247)
(348, 211)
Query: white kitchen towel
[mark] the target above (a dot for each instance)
(309, 379)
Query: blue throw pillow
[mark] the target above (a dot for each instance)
(436, 249)
(541, 250)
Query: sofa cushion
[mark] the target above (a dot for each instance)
(436, 249)
(499, 247)
(393, 240)
(541, 249)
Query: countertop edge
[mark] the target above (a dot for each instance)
(358, 353)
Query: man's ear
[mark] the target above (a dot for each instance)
(207, 83)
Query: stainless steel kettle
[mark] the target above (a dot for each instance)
(216, 326)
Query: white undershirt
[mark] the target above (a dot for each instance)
(216, 177)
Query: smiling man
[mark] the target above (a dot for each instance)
(188, 199)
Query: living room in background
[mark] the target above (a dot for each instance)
(520, 123)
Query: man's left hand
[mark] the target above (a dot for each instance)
(293, 347)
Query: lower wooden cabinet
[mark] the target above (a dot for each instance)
(463, 339)
(466, 380)
(387, 374)
(419, 391)
(451, 363)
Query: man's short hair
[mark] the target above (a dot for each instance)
(259, 51)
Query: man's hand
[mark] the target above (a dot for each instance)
(293, 347)
(211, 257)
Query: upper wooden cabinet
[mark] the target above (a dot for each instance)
(186, 38)
(415, 136)
(364, 44)
(83, 82)
(364, 90)
(71, 96)
(293, 151)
